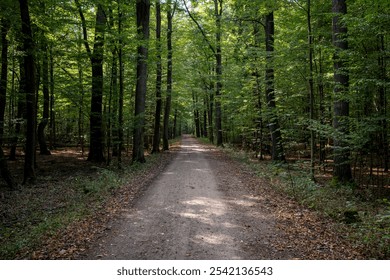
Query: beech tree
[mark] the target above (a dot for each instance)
(168, 99)
(157, 116)
(29, 87)
(96, 58)
(342, 168)
(143, 14)
(276, 137)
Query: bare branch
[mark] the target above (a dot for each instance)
(85, 35)
(200, 28)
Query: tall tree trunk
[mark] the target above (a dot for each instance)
(218, 57)
(174, 133)
(311, 88)
(29, 69)
(52, 113)
(96, 118)
(342, 166)
(21, 114)
(96, 58)
(157, 117)
(4, 74)
(4, 171)
(46, 102)
(143, 13)
(276, 136)
(121, 88)
(257, 92)
(384, 143)
(196, 114)
(167, 110)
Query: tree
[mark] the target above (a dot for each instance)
(342, 166)
(4, 171)
(143, 14)
(218, 70)
(4, 25)
(157, 117)
(121, 89)
(276, 137)
(29, 87)
(46, 101)
(168, 100)
(96, 58)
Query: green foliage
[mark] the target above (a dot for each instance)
(366, 222)
(105, 181)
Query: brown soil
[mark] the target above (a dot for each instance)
(206, 206)
(194, 202)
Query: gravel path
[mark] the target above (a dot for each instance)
(205, 206)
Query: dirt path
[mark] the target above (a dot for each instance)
(204, 206)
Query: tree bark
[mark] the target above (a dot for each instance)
(5, 25)
(157, 117)
(168, 99)
(4, 171)
(46, 102)
(29, 69)
(342, 167)
(276, 136)
(218, 58)
(311, 88)
(52, 113)
(96, 118)
(96, 58)
(121, 88)
(143, 13)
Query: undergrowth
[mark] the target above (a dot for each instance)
(366, 221)
(42, 210)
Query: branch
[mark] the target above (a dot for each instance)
(85, 35)
(200, 28)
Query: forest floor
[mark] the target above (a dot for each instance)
(194, 202)
(205, 205)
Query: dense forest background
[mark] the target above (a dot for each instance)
(286, 80)
(263, 74)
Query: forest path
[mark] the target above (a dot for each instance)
(205, 206)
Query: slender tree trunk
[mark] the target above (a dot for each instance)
(257, 92)
(196, 114)
(342, 166)
(46, 102)
(81, 100)
(210, 116)
(276, 137)
(4, 74)
(218, 57)
(52, 123)
(174, 133)
(21, 114)
(121, 88)
(311, 88)
(167, 110)
(205, 132)
(321, 92)
(29, 69)
(143, 13)
(383, 102)
(157, 117)
(4, 171)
